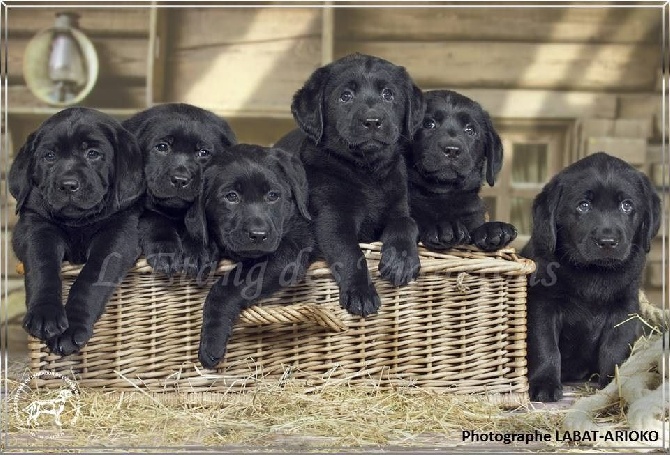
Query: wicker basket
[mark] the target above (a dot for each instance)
(459, 328)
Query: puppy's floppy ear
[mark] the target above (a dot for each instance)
(138, 125)
(307, 105)
(195, 219)
(129, 182)
(291, 168)
(228, 137)
(20, 173)
(494, 150)
(651, 220)
(415, 107)
(545, 206)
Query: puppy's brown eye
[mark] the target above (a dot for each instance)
(626, 206)
(584, 206)
(93, 154)
(162, 147)
(387, 94)
(49, 156)
(273, 196)
(469, 130)
(346, 96)
(232, 197)
(429, 124)
(202, 153)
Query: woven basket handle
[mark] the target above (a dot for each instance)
(292, 314)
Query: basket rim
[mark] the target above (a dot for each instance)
(504, 261)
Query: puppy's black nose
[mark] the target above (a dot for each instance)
(258, 236)
(607, 242)
(69, 185)
(180, 180)
(452, 151)
(373, 123)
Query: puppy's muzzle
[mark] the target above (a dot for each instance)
(372, 123)
(606, 238)
(452, 152)
(181, 179)
(69, 185)
(257, 236)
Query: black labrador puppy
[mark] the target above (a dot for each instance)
(255, 209)
(593, 224)
(357, 116)
(454, 145)
(78, 183)
(178, 141)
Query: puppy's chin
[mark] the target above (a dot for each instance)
(249, 250)
(162, 190)
(74, 210)
(589, 256)
(444, 175)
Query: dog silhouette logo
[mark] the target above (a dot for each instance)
(56, 405)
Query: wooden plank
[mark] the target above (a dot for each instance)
(119, 94)
(327, 34)
(259, 130)
(256, 63)
(117, 57)
(192, 28)
(156, 58)
(617, 127)
(96, 22)
(537, 104)
(531, 24)
(617, 67)
(631, 150)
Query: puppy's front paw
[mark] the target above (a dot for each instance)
(212, 350)
(45, 320)
(70, 341)
(361, 300)
(164, 257)
(545, 390)
(493, 235)
(399, 263)
(199, 261)
(444, 235)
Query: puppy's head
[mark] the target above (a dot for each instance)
(359, 106)
(250, 200)
(456, 140)
(178, 141)
(596, 212)
(81, 162)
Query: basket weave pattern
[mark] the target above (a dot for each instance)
(459, 328)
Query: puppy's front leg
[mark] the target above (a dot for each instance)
(42, 249)
(400, 263)
(160, 243)
(112, 253)
(337, 236)
(544, 356)
(616, 341)
(242, 287)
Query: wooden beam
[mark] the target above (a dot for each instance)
(526, 24)
(616, 67)
(157, 54)
(94, 22)
(105, 95)
(117, 57)
(327, 34)
(543, 104)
